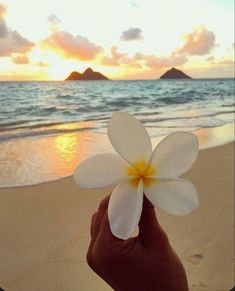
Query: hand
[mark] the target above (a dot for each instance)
(143, 263)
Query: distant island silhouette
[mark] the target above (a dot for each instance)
(88, 74)
(174, 74)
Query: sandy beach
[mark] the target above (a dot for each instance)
(45, 231)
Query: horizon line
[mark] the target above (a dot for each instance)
(156, 79)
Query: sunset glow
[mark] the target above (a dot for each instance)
(47, 40)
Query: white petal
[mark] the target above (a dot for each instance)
(124, 210)
(175, 154)
(129, 138)
(175, 196)
(100, 171)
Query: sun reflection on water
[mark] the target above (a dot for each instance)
(66, 146)
(70, 148)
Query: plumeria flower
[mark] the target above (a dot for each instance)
(138, 170)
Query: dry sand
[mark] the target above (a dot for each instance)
(44, 231)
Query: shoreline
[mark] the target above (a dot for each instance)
(71, 175)
(59, 155)
(45, 231)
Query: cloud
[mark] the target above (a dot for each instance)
(3, 10)
(20, 59)
(199, 42)
(69, 45)
(54, 22)
(210, 59)
(119, 59)
(3, 28)
(11, 41)
(227, 62)
(223, 61)
(217, 69)
(134, 4)
(42, 64)
(116, 57)
(144, 60)
(155, 62)
(75, 47)
(142, 65)
(131, 34)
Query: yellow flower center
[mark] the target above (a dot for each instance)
(141, 170)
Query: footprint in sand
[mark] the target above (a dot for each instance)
(202, 286)
(195, 259)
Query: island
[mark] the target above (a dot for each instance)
(87, 75)
(175, 74)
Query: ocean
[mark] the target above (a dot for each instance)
(35, 114)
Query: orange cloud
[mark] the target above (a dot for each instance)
(199, 42)
(75, 47)
(3, 10)
(157, 63)
(20, 59)
(117, 59)
(144, 61)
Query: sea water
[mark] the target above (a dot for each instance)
(35, 114)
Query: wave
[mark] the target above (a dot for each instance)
(40, 133)
(229, 105)
(8, 125)
(176, 100)
(64, 96)
(196, 125)
(41, 108)
(40, 130)
(47, 110)
(160, 119)
(12, 126)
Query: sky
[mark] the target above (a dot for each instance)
(123, 39)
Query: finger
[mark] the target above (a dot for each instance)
(100, 237)
(97, 218)
(150, 232)
(105, 237)
(93, 218)
(96, 221)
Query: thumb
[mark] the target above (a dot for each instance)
(150, 232)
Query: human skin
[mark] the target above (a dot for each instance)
(146, 262)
